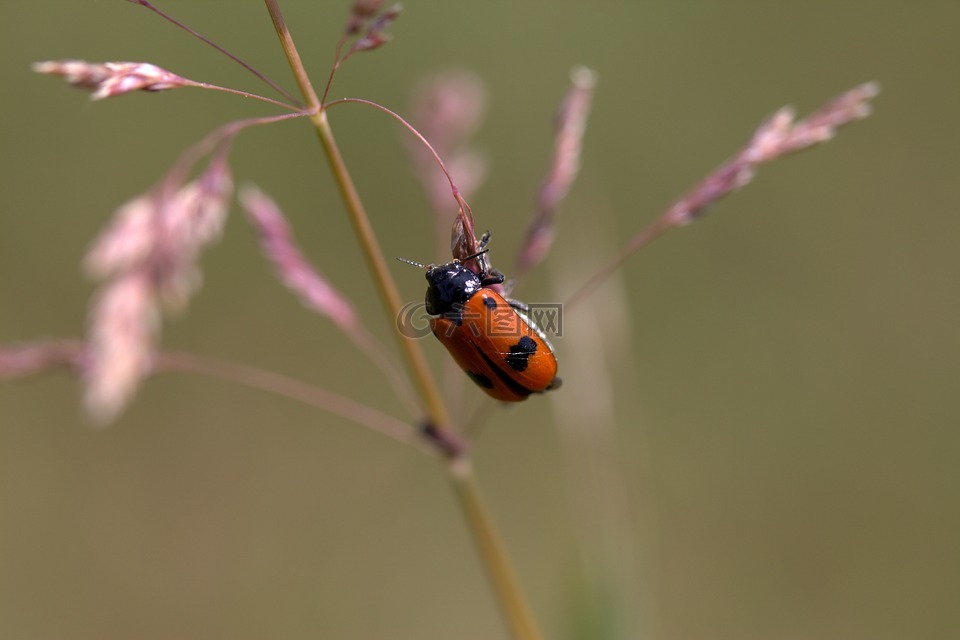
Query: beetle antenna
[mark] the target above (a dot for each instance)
(475, 255)
(416, 264)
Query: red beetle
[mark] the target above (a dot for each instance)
(492, 338)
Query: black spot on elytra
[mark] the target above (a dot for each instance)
(520, 353)
(504, 377)
(481, 379)
(489, 302)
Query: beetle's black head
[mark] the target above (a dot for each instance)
(449, 287)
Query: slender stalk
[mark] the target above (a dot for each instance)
(499, 570)
(182, 167)
(293, 58)
(389, 294)
(288, 387)
(20, 360)
(492, 553)
(411, 129)
(244, 94)
(205, 40)
(778, 136)
(337, 61)
(642, 239)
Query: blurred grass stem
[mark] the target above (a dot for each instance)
(491, 550)
(642, 239)
(269, 381)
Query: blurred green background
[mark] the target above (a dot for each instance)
(758, 434)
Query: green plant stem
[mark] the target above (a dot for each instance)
(389, 294)
(293, 58)
(492, 552)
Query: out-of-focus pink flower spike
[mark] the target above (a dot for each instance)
(361, 11)
(109, 79)
(564, 165)
(126, 241)
(148, 257)
(447, 109)
(318, 295)
(777, 136)
(822, 124)
(376, 35)
(189, 221)
(164, 233)
(124, 322)
(294, 271)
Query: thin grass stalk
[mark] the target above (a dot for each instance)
(491, 550)
(389, 294)
(490, 547)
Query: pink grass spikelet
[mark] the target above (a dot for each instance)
(371, 41)
(126, 241)
(568, 141)
(148, 256)
(363, 16)
(376, 35)
(188, 222)
(822, 125)
(124, 321)
(447, 109)
(294, 270)
(360, 13)
(564, 166)
(313, 290)
(778, 136)
(165, 234)
(213, 191)
(767, 140)
(110, 79)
